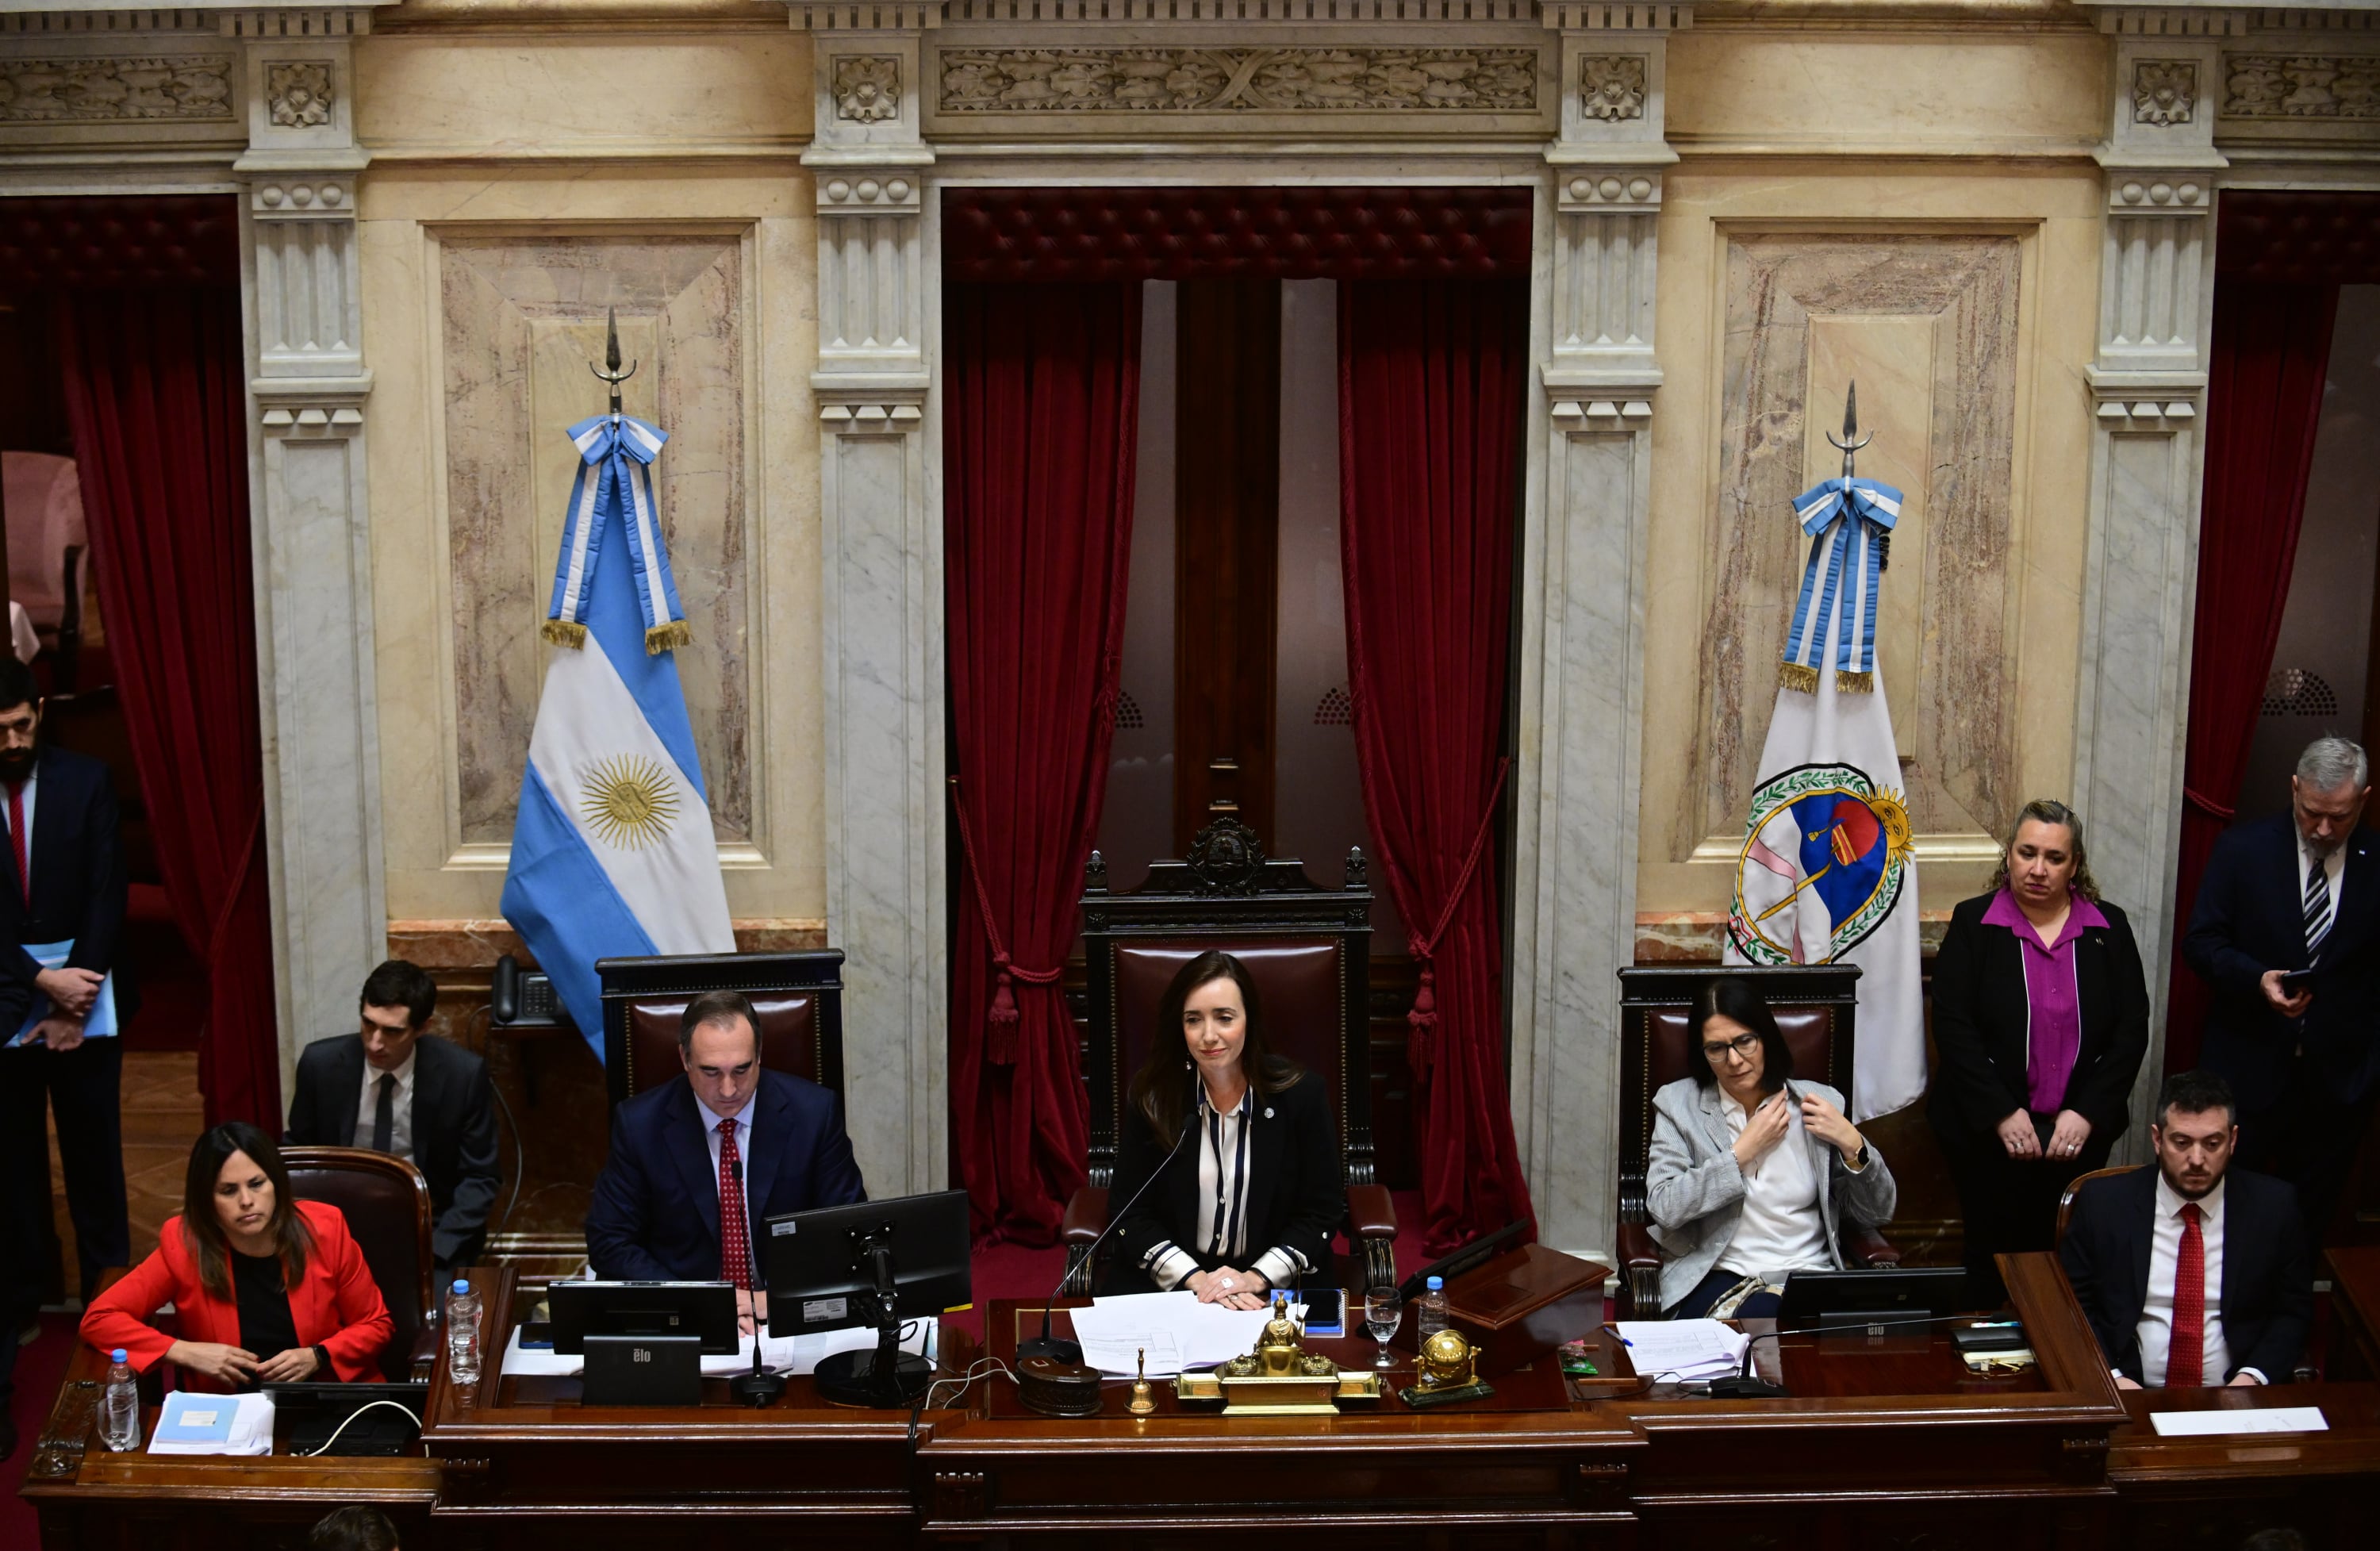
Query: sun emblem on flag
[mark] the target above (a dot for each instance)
(629, 801)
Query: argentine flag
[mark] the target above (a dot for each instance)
(612, 853)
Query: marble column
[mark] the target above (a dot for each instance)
(1582, 614)
(881, 593)
(308, 393)
(2148, 388)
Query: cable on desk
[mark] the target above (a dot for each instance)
(350, 1421)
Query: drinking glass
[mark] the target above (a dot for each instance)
(1384, 1307)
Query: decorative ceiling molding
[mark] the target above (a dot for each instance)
(923, 16)
(1161, 79)
(247, 20)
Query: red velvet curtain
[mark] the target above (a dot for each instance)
(2263, 400)
(156, 393)
(1431, 391)
(1040, 433)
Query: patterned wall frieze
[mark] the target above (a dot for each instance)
(187, 88)
(1395, 80)
(2301, 86)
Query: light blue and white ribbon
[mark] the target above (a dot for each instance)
(616, 474)
(1846, 521)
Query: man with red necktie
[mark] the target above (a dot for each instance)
(696, 1163)
(2193, 1272)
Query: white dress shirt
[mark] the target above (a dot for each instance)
(1223, 1174)
(2155, 1328)
(400, 1129)
(2334, 867)
(1779, 1229)
(743, 1119)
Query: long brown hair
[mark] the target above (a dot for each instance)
(202, 1227)
(2049, 810)
(1161, 1089)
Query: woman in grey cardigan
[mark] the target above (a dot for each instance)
(1751, 1172)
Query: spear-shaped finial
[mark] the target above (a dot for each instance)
(610, 370)
(1851, 441)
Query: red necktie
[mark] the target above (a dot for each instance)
(2185, 1360)
(16, 839)
(734, 1238)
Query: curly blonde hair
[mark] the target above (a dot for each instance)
(2049, 810)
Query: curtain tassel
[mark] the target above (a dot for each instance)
(1000, 1047)
(1423, 1021)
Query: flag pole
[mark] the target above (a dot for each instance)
(615, 376)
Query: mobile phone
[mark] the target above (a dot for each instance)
(2296, 980)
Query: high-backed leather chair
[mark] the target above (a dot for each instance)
(386, 1203)
(2066, 1197)
(798, 997)
(1816, 1008)
(1308, 948)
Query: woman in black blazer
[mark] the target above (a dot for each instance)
(2041, 1017)
(1252, 1191)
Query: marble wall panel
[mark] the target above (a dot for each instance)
(1927, 324)
(520, 318)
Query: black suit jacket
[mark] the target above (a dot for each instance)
(78, 884)
(454, 1128)
(2250, 918)
(1983, 1022)
(1296, 1186)
(2268, 1292)
(655, 1216)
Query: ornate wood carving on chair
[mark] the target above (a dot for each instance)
(1308, 948)
(1817, 1007)
(386, 1203)
(798, 997)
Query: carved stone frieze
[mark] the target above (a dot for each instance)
(1611, 86)
(2301, 86)
(867, 87)
(2164, 91)
(52, 91)
(298, 91)
(1239, 80)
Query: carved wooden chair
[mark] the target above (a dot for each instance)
(1309, 949)
(797, 998)
(1816, 1008)
(386, 1203)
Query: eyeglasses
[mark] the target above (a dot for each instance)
(1743, 1045)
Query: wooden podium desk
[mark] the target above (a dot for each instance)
(2217, 1490)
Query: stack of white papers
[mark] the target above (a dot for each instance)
(1174, 1328)
(2274, 1419)
(786, 1355)
(193, 1424)
(1685, 1350)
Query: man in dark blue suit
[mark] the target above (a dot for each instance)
(64, 879)
(2287, 934)
(698, 1163)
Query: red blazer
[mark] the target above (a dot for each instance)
(336, 1305)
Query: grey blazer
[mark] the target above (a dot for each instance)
(1694, 1192)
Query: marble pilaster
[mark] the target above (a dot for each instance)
(1582, 603)
(881, 589)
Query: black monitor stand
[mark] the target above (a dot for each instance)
(886, 1377)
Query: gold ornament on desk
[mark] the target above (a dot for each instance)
(1279, 1377)
(1143, 1401)
(1449, 1372)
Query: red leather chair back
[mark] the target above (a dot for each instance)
(1809, 1032)
(386, 1203)
(797, 998)
(789, 1039)
(1299, 981)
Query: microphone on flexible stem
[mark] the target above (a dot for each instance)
(763, 1386)
(1058, 1347)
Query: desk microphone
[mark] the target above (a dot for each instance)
(762, 1387)
(1058, 1347)
(1744, 1386)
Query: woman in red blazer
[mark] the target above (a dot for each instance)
(271, 1290)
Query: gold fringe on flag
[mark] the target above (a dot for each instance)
(667, 637)
(563, 633)
(1794, 675)
(1855, 684)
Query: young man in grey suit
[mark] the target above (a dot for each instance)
(428, 1100)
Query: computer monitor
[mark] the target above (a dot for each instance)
(703, 1310)
(877, 1263)
(1881, 1296)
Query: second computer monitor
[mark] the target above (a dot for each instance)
(821, 1270)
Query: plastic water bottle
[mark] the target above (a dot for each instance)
(1431, 1313)
(463, 1333)
(119, 1422)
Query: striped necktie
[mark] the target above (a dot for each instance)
(2317, 905)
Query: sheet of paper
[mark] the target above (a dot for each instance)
(1201, 1334)
(1687, 1350)
(1123, 1357)
(788, 1354)
(2203, 1424)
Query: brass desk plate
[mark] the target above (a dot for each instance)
(1302, 1395)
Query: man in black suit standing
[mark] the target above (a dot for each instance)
(64, 877)
(429, 1100)
(2193, 1272)
(2287, 934)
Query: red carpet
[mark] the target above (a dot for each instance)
(40, 1368)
